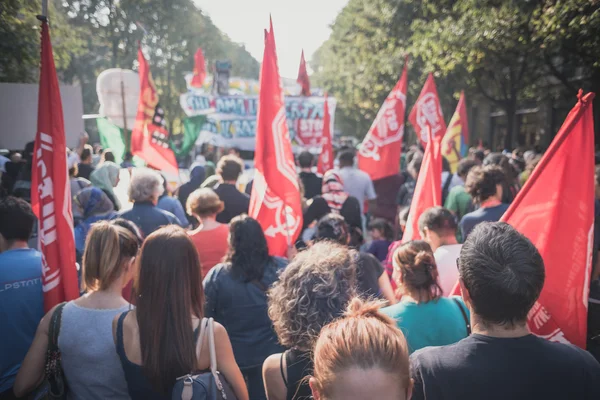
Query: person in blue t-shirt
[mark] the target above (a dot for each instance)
(21, 297)
(485, 185)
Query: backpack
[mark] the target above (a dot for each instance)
(206, 385)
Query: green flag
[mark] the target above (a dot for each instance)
(191, 130)
(111, 137)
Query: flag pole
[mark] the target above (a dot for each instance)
(44, 8)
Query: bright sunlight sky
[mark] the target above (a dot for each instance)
(298, 24)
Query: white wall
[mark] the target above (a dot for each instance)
(18, 114)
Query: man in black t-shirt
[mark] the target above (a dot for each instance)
(229, 169)
(85, 168)
(501, 277)
(311, 182)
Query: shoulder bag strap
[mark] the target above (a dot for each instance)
(54, 329)
(203, 325)
(464, 314)
(213, 356)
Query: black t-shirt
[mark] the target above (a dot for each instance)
(312, 184)
(369, 271)
(84, 171)
(525, 368)
(236, 202)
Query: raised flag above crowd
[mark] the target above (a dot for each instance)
(325, 162)
(555, 210)
(455, 142)
(275, 197)
(149, 137)
(50, 190)
(379, 153)
(303, 79)
(199, 69)
(428, 189)
(427, 112)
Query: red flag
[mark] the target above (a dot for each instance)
(199, 69)
(275, 198)
(50, 190)
(379, 153)
(557, 204)
(326, 156)
(303, 77)
(427, 112)
(428, 190)
(149, 138)
(455, 143)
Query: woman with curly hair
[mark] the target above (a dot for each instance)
(236, 297)
(485, 185)
(314, 289)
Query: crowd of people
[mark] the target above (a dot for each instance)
(182, 282)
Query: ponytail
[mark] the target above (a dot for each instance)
(417, 267)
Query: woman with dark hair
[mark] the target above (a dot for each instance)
(157, 341)
(424, 316)
(486, 187)
(236, 296)
(510, 185)
(197, 176)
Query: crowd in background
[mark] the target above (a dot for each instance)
(350, 313)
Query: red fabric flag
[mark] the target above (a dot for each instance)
(455, 143)
(326, 156)
(303, 77)
(275, 198)
(199, 69)
(557, 204)
(427, 112)
(149, 138)
(428, 190)
(380, 151)
(50, 190)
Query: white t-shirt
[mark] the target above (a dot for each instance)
(445, 258)
(358, 184)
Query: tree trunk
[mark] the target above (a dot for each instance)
(511, 124)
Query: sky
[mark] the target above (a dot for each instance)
(298, 24)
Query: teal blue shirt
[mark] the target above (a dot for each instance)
(435, 323)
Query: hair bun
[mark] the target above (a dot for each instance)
(359, 308)
(425, 259)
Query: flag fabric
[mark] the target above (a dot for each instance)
(455, 143)
(428, 190)
(325, 162)
(199, 69)
(557, 204)
(191, 130)
(111, 137)
(149, 137)
(427, 112)
(303, 79)
(379, 154)
(50, 189)
(275, 197)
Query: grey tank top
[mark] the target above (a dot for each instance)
(90, 362)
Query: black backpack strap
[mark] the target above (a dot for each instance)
(464, 314)
(445, 190)
(54, 329)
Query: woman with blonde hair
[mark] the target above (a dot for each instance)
(210, 237)
(361, 356)
(424, 316)
(312, 291)
(89, 362)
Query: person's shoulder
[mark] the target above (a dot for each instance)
(395, 310)
(437, 356)
(569, 354)
(169, 215)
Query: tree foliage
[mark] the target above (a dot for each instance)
(508, 51)
(90, 36)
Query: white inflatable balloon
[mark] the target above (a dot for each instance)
(111, 95)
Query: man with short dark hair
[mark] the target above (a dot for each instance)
(21, 296)
(501, 277)
(407, 190)
(85, 167)
(229, 168)
(312, 183)
(437, 226)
